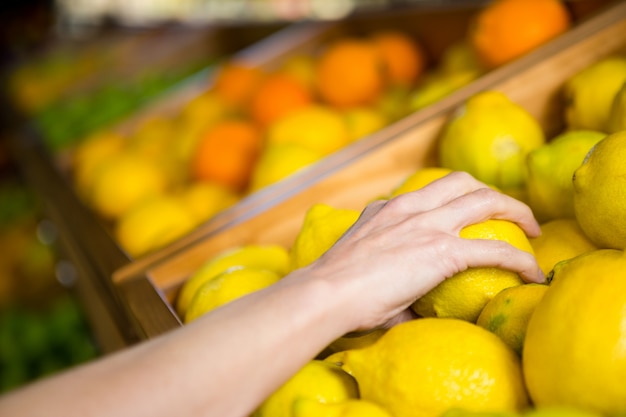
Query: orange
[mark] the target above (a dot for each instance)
(278, 95)
(226, 153)
(349, 73)
(402, 56)
(508, 29)
(236, 82)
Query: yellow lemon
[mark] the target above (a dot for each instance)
(228, 286)
(549, 188)
(393, 102)
(89, 154)
(356, 341)
(323, 225)
(423, 367)
(153, 138)
(589, 94)
(489, 137)
(363, 121)
(317, 380)
(617, 115)
(508, 312)
(306, 407)
(574, 349)
(464, 295)
(560, 239)
(152, 224)
(420, 179)
(205, 199)
(301, 67)
(272, 257)
(461, 57)
(278, 161)
(437, 85)
(600, 192)
(123, 181)
(316, 127)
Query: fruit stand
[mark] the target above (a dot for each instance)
(131, 298)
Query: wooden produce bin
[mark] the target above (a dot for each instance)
(368, 169)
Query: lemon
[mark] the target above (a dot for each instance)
(423, 367)
(489, 137)
(316, 127)
(306, 407)
(393, 102)
(323, 225)
(153, 138)
(464, 295)
(589, 93)
(550, 192)
(460, 57)
(228, 286)
(205, 199)
(508, 312)
(123, 181)
(89, 154)
(437, 85)
(420, 179)
(356, 341)
(560, 239)
(600, 192)
(278, 161)
(460, 412)
(363, 121)
(272, 257)
(574, 349)
(559, 411)
(617, 115)
(317, 380)
(152, 224)
(301, 67)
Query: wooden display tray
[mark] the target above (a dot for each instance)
(371, 168)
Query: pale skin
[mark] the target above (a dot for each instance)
(226, 362)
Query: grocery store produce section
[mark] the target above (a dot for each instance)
(256, 166)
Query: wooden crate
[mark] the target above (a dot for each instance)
(371, 168)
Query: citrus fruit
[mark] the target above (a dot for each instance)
(560, 239)
(419, 179)
(574, 349)
(226, 154)
(227, 286)
(306, 407)
(317, 127)
(549, 188)
(489, 137)
(506, 315)
(272, 257)
(589, 93)
(356, 341)
(205, 199)
(617, 115)
(317, 380)
(235, 82)
(460, 57)
(123, 181)
(437, 85)
(278, 95)
(401, 55)
(152, 224)
(559, 411)
(300, 66)
(278, 161)
(349, 72)
(423, 367)
(465, 294)
(507, 29)
(323, 225)
(362, 121)
(600, 192)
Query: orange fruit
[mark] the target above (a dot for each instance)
(278, 95)
(508, 29)
(236, 82)
(226, 153)
(349, 73)
(402, 56)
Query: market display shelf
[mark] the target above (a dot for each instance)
(368, 169)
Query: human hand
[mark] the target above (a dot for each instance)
(400, 249)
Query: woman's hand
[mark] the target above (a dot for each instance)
(400, 249)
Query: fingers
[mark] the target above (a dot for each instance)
(494, 253)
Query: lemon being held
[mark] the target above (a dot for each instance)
(465, 294)
(489, 137)
(306, 407)
(600, 192)
(574, 349)
(423, 367)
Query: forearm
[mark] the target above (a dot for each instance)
(222, 364)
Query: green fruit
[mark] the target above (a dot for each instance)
(617, 117)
